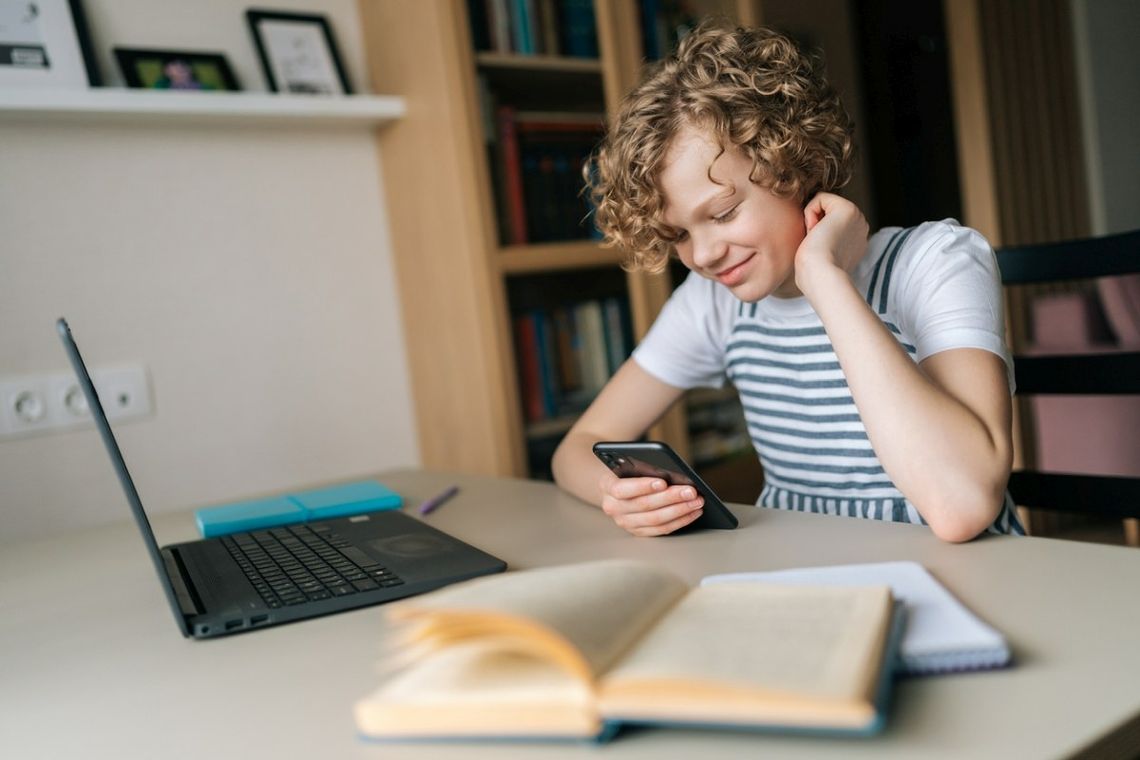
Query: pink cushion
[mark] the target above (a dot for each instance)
(1088, 434)
(1120, 297)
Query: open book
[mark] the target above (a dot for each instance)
(576, 651)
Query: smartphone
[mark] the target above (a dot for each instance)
(654, 459)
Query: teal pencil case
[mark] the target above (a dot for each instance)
(300, 507)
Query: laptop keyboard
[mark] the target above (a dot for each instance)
(298, 564)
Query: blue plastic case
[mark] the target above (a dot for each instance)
(289, 509)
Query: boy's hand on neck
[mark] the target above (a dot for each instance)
(835, 243)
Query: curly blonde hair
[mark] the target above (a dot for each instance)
(749, 88)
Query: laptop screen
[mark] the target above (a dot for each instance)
(112, 447)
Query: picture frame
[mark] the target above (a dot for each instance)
(298, 52)
(46, 43)
(182, 70)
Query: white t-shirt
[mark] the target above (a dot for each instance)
(935, 286)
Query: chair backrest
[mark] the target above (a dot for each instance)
(1101, 374)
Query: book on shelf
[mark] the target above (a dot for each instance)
(534, 27)
(511, 173)
(567, 352)
(527, 359)
(593, 357)
(538, 159)
(579, 36)
(579, 651)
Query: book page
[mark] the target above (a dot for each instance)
(816, 643)
(474, 690)
(599, 608)
(941, 632)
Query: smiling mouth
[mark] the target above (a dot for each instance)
(733, 274)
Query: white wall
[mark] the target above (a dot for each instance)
(247, 267)
(1108, 70)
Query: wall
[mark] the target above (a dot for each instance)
(1105, 33)
(248, 268)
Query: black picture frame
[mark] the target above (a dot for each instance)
(200, 70)
(322, 75)
(56, 48)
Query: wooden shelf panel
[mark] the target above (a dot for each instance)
(235, 107)
(538, 63)
(544, 257)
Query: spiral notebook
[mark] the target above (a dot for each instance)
(941, 635)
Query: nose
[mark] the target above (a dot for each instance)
(708, 249)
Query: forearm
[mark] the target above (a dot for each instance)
(939, 453)
(576, 469)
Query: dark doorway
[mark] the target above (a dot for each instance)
(908, 129)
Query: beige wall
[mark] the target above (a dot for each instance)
(247, 267)
(1104, 36)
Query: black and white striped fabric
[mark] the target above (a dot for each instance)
(801, 416)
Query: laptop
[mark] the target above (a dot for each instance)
(242, 581)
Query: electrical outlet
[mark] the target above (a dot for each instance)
(37, 404)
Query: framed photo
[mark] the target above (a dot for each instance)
(298, 53)
(45, 43)
(175, 69)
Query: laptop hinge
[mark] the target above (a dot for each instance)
(188, 601)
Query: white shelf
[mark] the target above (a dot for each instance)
(235, 107)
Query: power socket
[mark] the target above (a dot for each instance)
(37, 404)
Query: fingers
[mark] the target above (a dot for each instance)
(648, 506)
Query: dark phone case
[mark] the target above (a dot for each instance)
(654, 459)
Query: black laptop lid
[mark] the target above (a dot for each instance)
(112, 446)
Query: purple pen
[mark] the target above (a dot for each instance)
(431, 504)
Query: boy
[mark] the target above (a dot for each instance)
(873, 372)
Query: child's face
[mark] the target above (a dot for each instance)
(735, 232)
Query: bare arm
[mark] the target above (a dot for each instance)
(629, 404)
(941, 429)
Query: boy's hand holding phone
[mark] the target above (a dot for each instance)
(652, 491)
(649, 506)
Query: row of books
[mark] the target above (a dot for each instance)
(663, 24)
(536, 166)
(567, 353)
(534, 27)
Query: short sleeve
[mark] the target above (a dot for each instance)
(685, 347)
(947, 292)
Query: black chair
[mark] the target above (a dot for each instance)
(1114, 373)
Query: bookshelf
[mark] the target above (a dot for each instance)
(467, 283)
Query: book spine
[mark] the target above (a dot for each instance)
(547, 364)
(615, 338)
(480, 24)
(548, 26)
(595, 372)
(526, 353)
(512, 175)
(500, 25)
(523, 26)
(579, 33)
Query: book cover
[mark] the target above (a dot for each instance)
(626, 642)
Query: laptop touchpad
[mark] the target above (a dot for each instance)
(411, 545)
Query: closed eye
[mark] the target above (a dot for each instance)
(727, 216)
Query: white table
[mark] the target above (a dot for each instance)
(91, 664)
